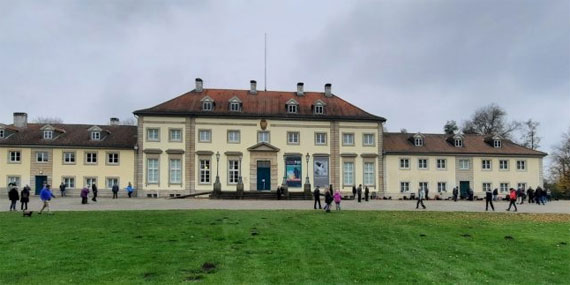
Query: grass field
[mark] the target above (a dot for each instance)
(245, 247)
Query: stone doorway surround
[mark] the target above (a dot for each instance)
(262, 152)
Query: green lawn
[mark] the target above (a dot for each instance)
(283, 247)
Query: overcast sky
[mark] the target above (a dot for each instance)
(416, 63)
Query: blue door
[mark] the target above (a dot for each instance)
(463, 189)
(40, 182)
(263, 175)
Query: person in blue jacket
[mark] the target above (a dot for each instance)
(45, 196)
(130, 190)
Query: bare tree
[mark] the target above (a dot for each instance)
(490, 120)
(403, 131)
(450, 127)
(47, 120)
(560, 166)
(130, 121)
(529, 136)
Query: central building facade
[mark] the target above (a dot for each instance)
(262, 139)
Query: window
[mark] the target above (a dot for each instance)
(263, 137)
(69, 182)
(233, 136)
(368, 139)
(320, 138)
(464, 164)
(486, 164)
(291, 108)
(486, 186)
(348, 173)
(15, 156)
(458, 142)
(91, 157)
(95, 136)
(319, 109)
(441, 163)
(418, 141)
(14, 180)
(175, 135)
(404, 187)
(521, 165)
(90, 181)
(504, 187)
(404, 163)
(204, 171)
(235, 106)
(293, 138)
(207, 106)
(152, 135)
(347, 139)
(441, 187)
(368, 173)
(69, 157)
(205, 135)
(424, 185)
(2, 134)
(41, 156)
(175, 171)
(521, 186)
(152, 171)
(496, 143)
(112, 158)
(422, 163)
(111, 182)
(503, 164)
(233, 171)
(48, 135)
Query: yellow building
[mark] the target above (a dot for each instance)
(77, 155)
(441, 162)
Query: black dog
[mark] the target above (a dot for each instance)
(27, 213)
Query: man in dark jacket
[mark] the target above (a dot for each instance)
(328, 201)
(359, 193)
(455, 193)
(25, 198)
(530, 194)
(62, 189)
(353, 191)
(317, 196)
(366, 193)
(538, 195)
(14, 197)
(278, 192)
(115, 190)
(94, 189)
(489, 200)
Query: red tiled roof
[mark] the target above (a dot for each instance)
(118, 136)
(264, 104)
(440, 144)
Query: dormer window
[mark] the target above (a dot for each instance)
(48, 135)
(95, 136)
(292, 106)
(496, 143)
(418, 141)
(2, 133)
(235, 104)
(319, 108)
(458, 142)
(207, 106)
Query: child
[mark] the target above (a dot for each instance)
(328, 201)
(337, 199)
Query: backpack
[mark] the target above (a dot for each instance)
(513, 195)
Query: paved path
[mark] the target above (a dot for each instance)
(106, 204)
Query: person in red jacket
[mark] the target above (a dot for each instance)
(513, 199)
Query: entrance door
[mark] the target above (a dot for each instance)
(263, 175)
(463, 189)
(40, 182)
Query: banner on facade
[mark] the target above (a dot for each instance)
(321, 171)
(293, 169)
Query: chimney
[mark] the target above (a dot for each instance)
(20, 120)
(114, 121)
(253, 87)
(328, 92)
(199, 85)
(300, 89)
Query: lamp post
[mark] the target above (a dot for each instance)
(239, 187)
(217, 184)
(284, 187)
(307, 186)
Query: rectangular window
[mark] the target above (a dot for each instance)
(233, 171)
(521, 186)
(14, 180)
(320, 138)
(521, 165)
(69, 157)
(112, 158)
(486, 164)
(293, 138)
(422, 163)
(368, 173)
(503, 164)
(204, 171)
(111, 182)
(292, 108)
(319, 109)
(233, 137)
(48, 135)
(234, 107)
(152, 171)
(90, 181)
(487, 186)
(69, 182)
(404, 163)
(504, 187)
(441, 164)
(464, 164)
(347, 139)
(152, 135)
(263, 137)
(205, 136)
(175, 171)
(404, 187)
(368, 139)
(348, 173)
(207, 106)
(15, 156)
(95, 136)
(424, 185)
(175, 135)
(441, 187)
(91, 157)
(41, 156)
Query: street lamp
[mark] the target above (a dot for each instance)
(284, 187)
(239, 187)
(217, 184)
(307, 157)
(240, 180)
(307, 186)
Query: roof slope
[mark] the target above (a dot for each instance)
(438, 143)
(73, 136)
(263, 104)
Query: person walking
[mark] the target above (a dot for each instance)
(14, 196)
(328, 201)
(337, 198)
(530, 194)
(278, 192)
(94, 189)
(25, 198)
(331, 189)
(495, 194)
(522, 196)
(455, 193)
(512, 199)
(45, 196)
(359, 193)
(548, 195)
(317, 196)
(538, 195)
(353, 192)
(426, 196)
(489, 200)
(366, 193)
(115, 190)
(470, 194)
(421, 197)
(130, 190)
(85, 195)
(62, 187)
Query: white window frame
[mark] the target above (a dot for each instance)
(263, 136)
(172, 135)
(175, 171)
(234, 136)
(404, 186)
(111, 179)
(523, 184)
(368, 139)
(404, 163)
(369, 174)
(204, 136)
(504, 189)
(458, 143)
(233, 171)
(292, 108)
(320, 138)
(441, 187)
(521, 165)
(497, 143)
(418, 141)
(14, 179)
(205, 171)
(485, 165)
(152, 171)
(91, 157)
(2, 133)
(153, 134)
(42, 156)
(347, 139)
(487, 185)
(348, 173)
(69, 182)
(423, 185)
(503, 164)
(319, 109)
(235, 107)
(420, 163)
(463, 163)
(207, 106)
(89, 181)
(95, 136)
(113, 158)
(294, 138)
(48, 135)
(441, 163)
(69, 157)
(15, 156)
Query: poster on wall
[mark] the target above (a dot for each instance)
(293, 169)
(321, 171)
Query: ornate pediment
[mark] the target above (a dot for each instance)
(263, 146)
